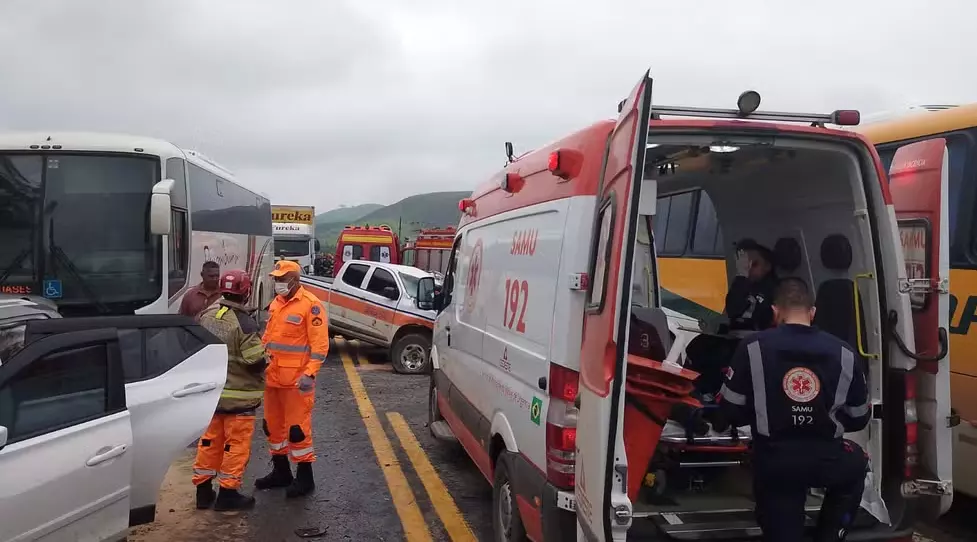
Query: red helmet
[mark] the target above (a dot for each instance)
(237, 282)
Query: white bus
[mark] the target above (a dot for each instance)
(107, 224)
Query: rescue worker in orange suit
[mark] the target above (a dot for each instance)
(801, 390)
(224, 449)
(297, 341)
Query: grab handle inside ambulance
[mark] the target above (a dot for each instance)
(941, 335)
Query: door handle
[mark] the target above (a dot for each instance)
(105, 454)
(193, 389)
(447, 332)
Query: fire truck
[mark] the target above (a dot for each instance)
(373, 243)
(430, 250)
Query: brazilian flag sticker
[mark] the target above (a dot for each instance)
(535, 409)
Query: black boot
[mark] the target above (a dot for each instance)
(280, 475)
(303, 484)
(205, 495)
(232, 499)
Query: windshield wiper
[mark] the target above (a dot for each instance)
(16, 263)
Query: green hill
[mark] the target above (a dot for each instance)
(431, 210)
(346, 214)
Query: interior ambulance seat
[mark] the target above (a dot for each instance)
(649, 334)
(835, 300)
(787, 256)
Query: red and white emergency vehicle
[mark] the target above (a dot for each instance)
(430, 250)
(373, 243)
(534, 366)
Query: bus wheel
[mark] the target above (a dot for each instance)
(506, 523)
(411, 354)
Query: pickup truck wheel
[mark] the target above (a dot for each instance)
(411, 354)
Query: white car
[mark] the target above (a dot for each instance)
(92, 413)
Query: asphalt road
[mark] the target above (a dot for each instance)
(380, 475)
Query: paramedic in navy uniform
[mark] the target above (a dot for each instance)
(801, 390)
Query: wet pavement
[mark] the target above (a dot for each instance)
(380, 474)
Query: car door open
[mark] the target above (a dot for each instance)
(174, 372)
(65, 440)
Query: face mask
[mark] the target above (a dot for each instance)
(282, 288)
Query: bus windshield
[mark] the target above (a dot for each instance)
(291, 247)
(75, 228)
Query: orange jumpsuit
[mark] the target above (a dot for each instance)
(225, 447)
(297, 341)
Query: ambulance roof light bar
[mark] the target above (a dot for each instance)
(746, 109)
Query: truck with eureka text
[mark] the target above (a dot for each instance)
(293, 228)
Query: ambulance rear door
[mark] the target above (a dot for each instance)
(603, 509)
(918, 182)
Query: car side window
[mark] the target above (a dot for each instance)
(61, 389)
(381, 279)
(355, 274)
(165, 347)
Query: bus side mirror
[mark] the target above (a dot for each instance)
(317, 246)
(425, 297)
(159, 208)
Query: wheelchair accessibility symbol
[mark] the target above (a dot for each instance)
(52, 289)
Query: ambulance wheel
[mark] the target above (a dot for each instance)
(433, 412)
(506, 524)
(411, 354)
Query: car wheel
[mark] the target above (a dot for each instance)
(411, 354)
(506, 523)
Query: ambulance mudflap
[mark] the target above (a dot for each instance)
(918, 182)
(604, 511)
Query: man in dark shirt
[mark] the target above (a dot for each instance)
(204, 294)
(801, 390)
(750, 296)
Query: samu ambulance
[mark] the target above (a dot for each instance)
(556, 368)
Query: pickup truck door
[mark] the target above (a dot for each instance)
(603, 508)
(65, 440)
(348, 304)
(918, 182)
(380, 309)
(174, 372)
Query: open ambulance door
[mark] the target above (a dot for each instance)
(603, 509)
(918, 182)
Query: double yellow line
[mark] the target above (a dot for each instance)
(415, 528)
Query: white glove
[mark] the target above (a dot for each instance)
(306, 383)
(742, 263)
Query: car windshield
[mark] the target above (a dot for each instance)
(75, 228)
(291, 247)
(410, 284)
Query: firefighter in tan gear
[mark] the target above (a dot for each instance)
(297, 341)
(224, 449)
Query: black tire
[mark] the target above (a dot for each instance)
(502, 491)
(406, 351)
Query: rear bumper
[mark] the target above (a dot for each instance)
(559, 522)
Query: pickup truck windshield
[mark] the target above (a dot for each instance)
(75, 228)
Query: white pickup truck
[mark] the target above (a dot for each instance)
(374, 303)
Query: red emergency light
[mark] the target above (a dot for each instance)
(512, 182)
(467, 206)
(846, 117)
(565, 163)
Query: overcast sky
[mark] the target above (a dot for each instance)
(344, 102)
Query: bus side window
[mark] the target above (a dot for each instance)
(179, 232)
(706, 239)
(677, 233)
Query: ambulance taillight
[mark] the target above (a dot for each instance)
(912, 428)
(561, 426)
